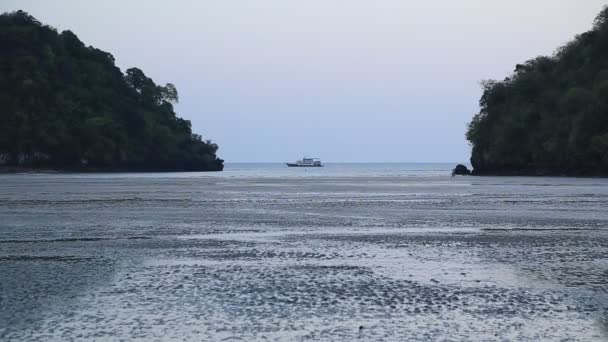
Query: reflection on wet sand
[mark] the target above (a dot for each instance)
(376, 258)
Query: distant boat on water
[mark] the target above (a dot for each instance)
(306, 162)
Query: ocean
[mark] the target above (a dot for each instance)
(382, 252)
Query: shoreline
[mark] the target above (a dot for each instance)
(28, 170)
(4, 170)
(524, 173)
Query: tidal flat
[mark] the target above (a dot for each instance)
(383, 255)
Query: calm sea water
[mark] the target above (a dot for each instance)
(383, 252)
(280, 170)
(339, 170)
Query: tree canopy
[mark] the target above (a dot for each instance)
(550, 116)
(66, 105)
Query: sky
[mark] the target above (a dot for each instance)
(343, 80)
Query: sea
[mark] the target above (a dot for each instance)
(263, 252)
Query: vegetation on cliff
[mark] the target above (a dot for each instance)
(66, 105)
(550, 116)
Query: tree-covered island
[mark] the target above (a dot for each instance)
(551, 116)
(66, 106)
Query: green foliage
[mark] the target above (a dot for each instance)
(550, 116)
(66, 105)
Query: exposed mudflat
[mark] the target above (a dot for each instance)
(302, 256)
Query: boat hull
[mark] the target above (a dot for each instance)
(298, 165)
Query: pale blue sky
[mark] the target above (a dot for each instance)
(350, 80)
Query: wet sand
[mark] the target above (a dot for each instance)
(200, 257)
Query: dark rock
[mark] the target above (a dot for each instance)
(461, 170)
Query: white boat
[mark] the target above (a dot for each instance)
(306, 162)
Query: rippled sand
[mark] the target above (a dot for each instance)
(110, 257)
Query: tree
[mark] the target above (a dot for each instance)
(169, 93)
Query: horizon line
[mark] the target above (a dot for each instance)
(349, 162)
